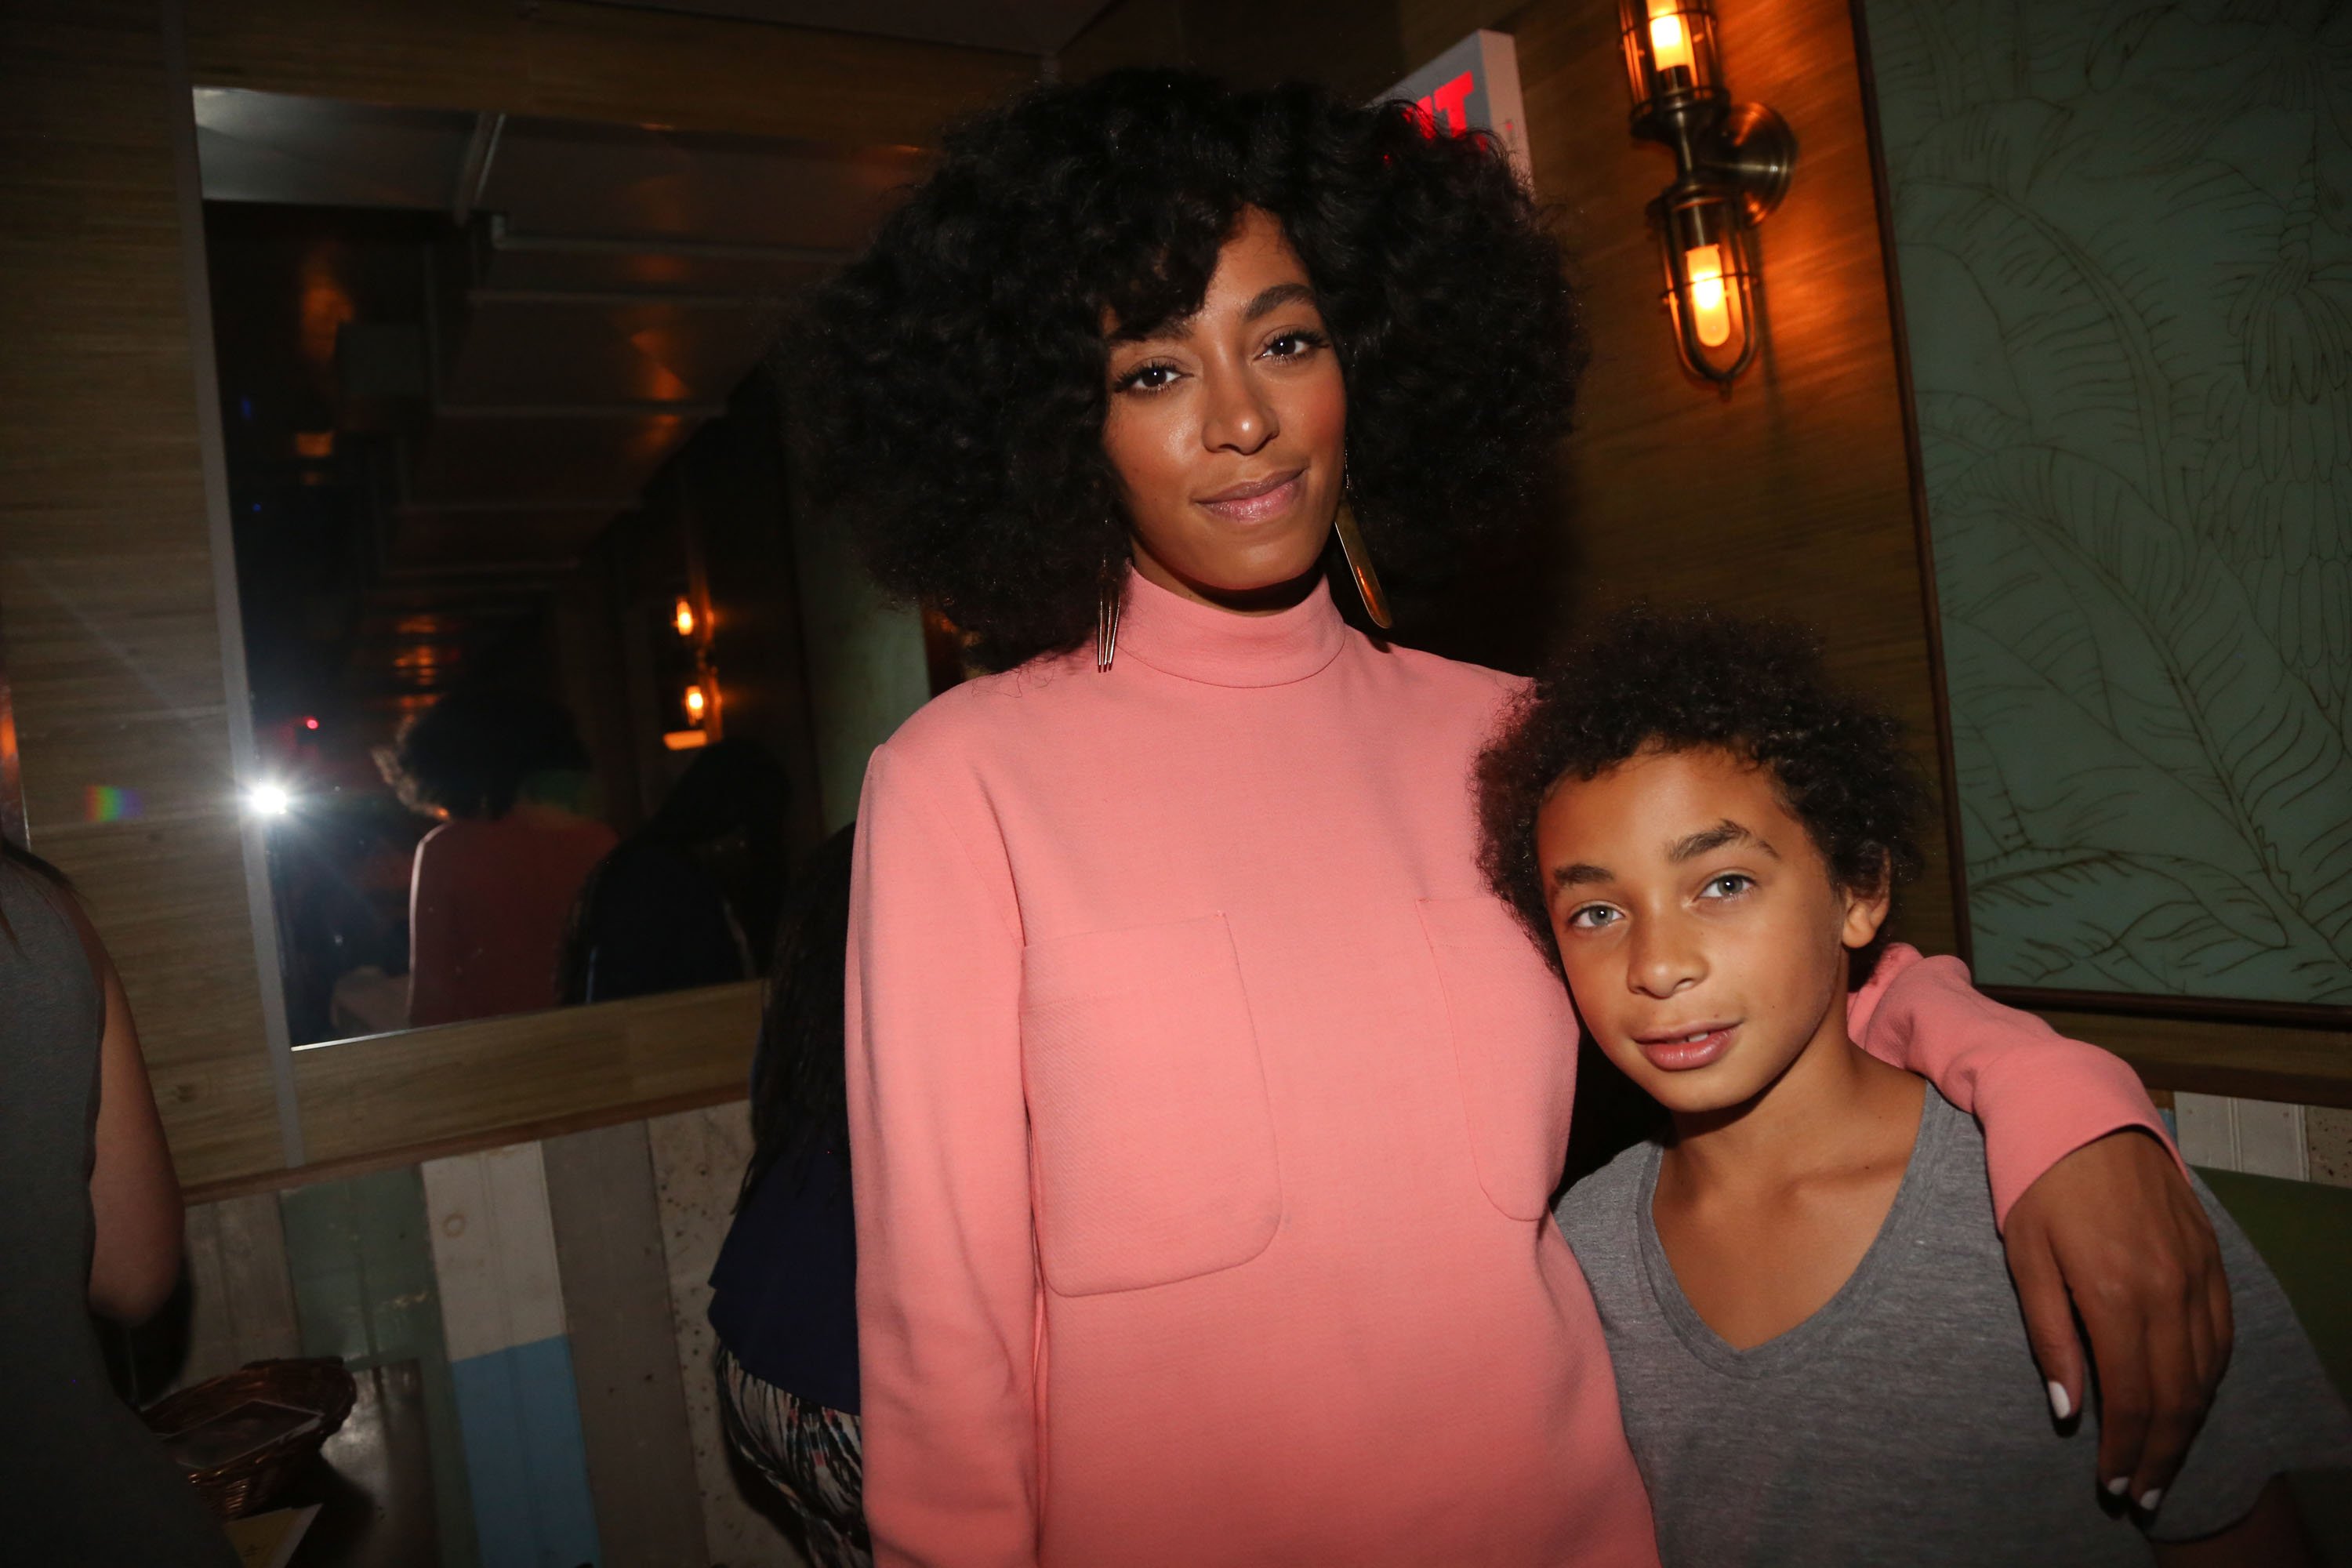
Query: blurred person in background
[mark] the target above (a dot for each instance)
(683, 900)
(784, 1302)
(495, 883)
(92, 1225)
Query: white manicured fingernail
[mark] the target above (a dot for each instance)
(2149, 1499)
(2120, 1486)
(2059, 1405)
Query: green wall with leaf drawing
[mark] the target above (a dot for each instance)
(2123, 235)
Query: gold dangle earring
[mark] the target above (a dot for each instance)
(1106, 600)
(1359, 559)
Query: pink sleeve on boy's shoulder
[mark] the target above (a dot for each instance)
(2039, 1094)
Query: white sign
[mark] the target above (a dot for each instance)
(1475, 85)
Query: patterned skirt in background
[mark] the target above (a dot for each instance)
(811, 1455)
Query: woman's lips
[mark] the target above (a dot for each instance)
(1256, 502)
(1694, 1049)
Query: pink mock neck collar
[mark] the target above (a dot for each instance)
(1200, 642)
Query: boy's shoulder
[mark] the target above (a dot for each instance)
(1602, 1209)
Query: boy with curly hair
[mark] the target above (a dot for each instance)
(1816, 1341)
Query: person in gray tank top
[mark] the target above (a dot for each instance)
(91, 1222)
(1809, 1308)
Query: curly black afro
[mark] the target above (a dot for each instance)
(952, 379)
(1679, 681)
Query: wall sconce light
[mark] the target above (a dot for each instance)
(1732, 168)
(695, 705)
(683, 619)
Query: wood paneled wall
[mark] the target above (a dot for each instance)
(107, 599)
(106, 570)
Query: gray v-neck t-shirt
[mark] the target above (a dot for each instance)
(1906, 1422)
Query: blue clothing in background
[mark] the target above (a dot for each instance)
(785, 1287)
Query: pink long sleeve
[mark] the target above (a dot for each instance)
(947, 1287)
(2039, 1094)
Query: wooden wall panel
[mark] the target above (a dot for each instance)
(113, 647)
(509, 1360)
(2255, 1061)
(241, 1298)
(598, 62)
(608, 1240)
(360, 1260)
(698, 1162)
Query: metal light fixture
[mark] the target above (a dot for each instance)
(1732, 168)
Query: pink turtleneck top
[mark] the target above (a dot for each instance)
(1205, 1110)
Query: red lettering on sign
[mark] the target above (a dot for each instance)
(1449, 105)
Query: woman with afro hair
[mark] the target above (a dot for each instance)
(1205, 1105)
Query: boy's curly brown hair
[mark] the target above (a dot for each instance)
(1679, 681)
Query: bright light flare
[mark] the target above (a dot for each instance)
(270, 800)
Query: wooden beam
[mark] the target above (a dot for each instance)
(393, 1098)
(2251, 1061)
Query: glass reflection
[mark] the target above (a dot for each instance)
(521, 610)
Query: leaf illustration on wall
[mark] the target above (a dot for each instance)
(2060, 913)
(2130, 324)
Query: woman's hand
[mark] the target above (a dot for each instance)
(2114, 1233)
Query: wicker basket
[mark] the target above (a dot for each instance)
(248, 1483)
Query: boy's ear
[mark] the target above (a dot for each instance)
(1866, 911)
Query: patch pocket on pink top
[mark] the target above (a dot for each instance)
(1514, 1048)
(1151, 1135)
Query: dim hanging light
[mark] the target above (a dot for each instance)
(1732, 168)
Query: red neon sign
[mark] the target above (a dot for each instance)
(1448, 105)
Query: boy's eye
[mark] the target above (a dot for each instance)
(1592, 917)
(1730, 885)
